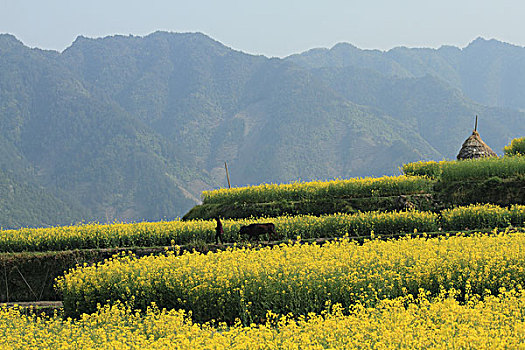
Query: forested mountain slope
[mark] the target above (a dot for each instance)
(134, 128)
(489, 72)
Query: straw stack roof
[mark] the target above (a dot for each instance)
(474, 147)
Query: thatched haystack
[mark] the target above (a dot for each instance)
(474, 147)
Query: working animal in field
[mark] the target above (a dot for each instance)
(255, 230)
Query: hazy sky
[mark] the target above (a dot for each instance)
(270, 27)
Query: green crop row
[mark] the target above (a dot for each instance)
(429, 169)
(351, 188)
(288, 227)
(480, 168)
(300, 278)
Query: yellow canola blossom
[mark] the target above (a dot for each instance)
(203, 231)
(166, 233)
(354, 187)
(482, 216)
(300, 278)
(403, 323)
(94, 235)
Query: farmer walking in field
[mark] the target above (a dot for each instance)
(218, 231)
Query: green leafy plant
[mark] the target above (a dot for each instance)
(515, 148)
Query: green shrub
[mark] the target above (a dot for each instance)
(515, 148)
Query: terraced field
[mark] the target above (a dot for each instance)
(393, 276)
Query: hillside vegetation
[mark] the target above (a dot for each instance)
(135, 128)
(23, 203)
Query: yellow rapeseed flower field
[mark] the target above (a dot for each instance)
(185, 232)
(354, 187)
(300, 278)
(402, 323)
(177, 232)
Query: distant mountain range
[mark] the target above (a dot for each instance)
(134, 128)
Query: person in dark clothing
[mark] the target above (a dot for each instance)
(218, 231)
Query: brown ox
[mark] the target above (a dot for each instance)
(255, 230)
